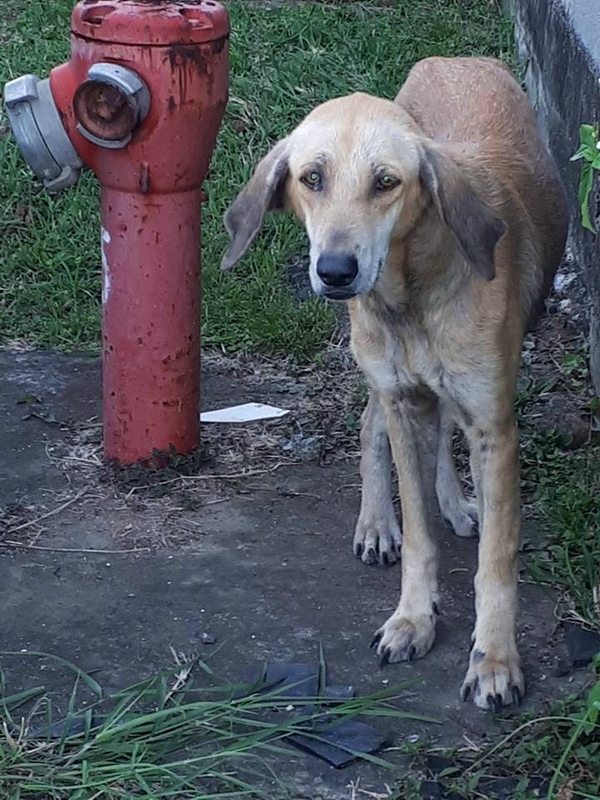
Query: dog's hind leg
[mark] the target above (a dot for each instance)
(455, 507)
(377, 537)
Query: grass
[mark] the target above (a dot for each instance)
(565, 486)
(555, 756)
(570, 563)
(284, 60)
(163, 737)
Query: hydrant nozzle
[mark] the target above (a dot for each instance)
(110, 105)
(37, 127)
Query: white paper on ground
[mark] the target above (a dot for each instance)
(248, 412)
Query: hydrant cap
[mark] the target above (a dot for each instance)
(150, 22)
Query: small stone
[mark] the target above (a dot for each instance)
(583, 645)
(561, 668)
(208, 638)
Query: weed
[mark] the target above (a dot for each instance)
(555, 756)
(163, 737)
(589, 155)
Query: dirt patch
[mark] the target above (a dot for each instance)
(325, 400)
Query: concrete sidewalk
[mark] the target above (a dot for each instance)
(261, 564)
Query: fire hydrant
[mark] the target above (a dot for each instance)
(140, 103)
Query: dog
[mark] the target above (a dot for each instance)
(440, 219)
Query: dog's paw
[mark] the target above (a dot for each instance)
(493, 682)
(403, 639)
(463, 517)
(378, 541)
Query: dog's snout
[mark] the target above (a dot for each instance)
(337, 269)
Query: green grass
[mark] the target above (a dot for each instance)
(565, 485)
(283, 62)
(555, 756)
(156, 741)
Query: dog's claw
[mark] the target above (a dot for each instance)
(412, 652)
(494, 702)
(516, 696)
(377, 537)
(375, 640)
(385, 658)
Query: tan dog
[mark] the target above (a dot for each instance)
(441, 219)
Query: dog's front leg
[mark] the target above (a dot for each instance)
(413, 426)
(494, 677)
(377, 536)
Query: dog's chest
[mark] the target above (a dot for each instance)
(397, 358)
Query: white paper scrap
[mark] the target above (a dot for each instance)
(248, 412)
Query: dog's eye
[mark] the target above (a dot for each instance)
(385, 183)
(312, 179)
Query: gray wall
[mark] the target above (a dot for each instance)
(559, 40)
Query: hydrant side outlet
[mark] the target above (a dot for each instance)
(39, 132)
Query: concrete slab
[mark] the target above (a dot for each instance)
(262, 563)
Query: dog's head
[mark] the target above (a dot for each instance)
(358, 174)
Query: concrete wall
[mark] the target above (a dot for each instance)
(559, 41)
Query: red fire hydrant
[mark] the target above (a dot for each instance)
(140, 103)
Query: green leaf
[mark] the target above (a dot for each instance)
(84, 677)
(586, 180)
(15, 700)
(579, 153)
(588, 136)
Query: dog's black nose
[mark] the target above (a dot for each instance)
(337, 269)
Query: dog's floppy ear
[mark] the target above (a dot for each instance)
(263, 192)
(476, 227)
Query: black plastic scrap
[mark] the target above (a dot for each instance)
(337, 743)
(583, 645)
(341, 743)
